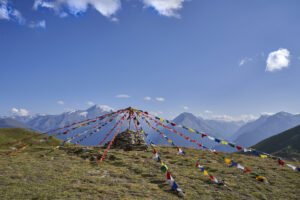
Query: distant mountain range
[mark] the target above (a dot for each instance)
(11, 123)
(285, 144)
(47, 122)
(245, 134)
(264, 127)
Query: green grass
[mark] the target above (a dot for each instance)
(134, 175)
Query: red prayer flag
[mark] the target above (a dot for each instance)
(203, 135)
(154, 151)
(211, 177)
(168, 175)
(173, 124)
(200, 145)
(280, 162)
(238, 147)
(146, 113)
(186, 137)
(247, 170)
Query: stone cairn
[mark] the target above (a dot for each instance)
(129, 140)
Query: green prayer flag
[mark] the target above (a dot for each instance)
(163, 169)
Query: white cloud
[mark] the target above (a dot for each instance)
(106, 7)
(7, 12)
(60, 102)
(114, 19)
(90, 103)
(147, 98)
(122, 96)
(185, 107)
(278, 60)
(167, 8)
(208, 112)
(19, 112)
(39, 24)
(160, 99)
(245, 60)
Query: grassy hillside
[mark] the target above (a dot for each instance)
(285, 144)
(13, 134)
(64, 174)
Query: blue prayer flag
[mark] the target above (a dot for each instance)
(174, 186)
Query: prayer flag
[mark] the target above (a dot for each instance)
(228, 161)
(170, 178)
(211, 138)
(163, 169)
(217, 140)
(291, 166)
(247, 170)
(280, 162)
(263, 156)
(240, 167)
(233, 164)
(205, 172)
(191, 130)
(203, 135)
(238, 147)
(232, 145)
(174, 186)
(173, 124)
(223, 142)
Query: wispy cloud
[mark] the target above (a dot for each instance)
(185, 107)
(19, 112)
(39, 24)
(147, 98)
(75, 7)
(245, 60)
(167, 8)
(161, 99)
(90, 103)
(278, 60)
(122, 96)
(208, 112)
(60, 102)
(8, 12)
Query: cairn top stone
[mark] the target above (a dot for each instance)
(129, 140)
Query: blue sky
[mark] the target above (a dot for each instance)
(223, 59)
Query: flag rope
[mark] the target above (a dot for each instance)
(224, 142)
(111, 142)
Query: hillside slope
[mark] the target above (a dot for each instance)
(135, 175)
(13, 134)
(285, 144)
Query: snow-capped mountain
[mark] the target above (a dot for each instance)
(48, 122)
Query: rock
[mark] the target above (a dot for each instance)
(129, 140)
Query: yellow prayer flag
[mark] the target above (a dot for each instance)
(228, 161)
(261, 177)
(223, 142)
(142, 131)
(169, 141)
(83, 124)
(162, 120)
(263, 156)
(191, 130)
(205, 172)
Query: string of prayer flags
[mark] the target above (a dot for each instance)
(207, 174)
(219, 140)
(111, 142)
(228, 161)
(165, 169)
